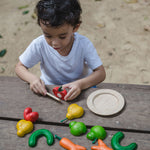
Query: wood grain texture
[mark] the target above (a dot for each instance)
(10, 141)
(15, 96)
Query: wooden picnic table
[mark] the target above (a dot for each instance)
(15, 96)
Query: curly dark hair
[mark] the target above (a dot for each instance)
(58, 12)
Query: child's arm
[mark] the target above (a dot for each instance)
(36, 84)
(76, 87)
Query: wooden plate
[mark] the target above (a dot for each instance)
(105, 102)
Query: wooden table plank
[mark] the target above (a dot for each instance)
(9, 139)
(15, 96)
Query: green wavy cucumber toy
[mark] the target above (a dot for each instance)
(115, 142)
(38, 133)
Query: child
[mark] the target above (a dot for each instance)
(66, 57)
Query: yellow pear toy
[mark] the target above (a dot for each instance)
(24, 127)
(74, 111)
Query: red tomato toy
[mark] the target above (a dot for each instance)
(29, 115)
(59, 92)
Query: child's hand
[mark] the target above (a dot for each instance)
(38, 87)
(74, 91)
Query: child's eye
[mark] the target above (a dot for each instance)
(48, 37)
(63, 37)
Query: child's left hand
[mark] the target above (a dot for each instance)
(74, 90)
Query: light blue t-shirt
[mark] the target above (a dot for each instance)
(57, 69)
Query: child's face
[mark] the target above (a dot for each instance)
(60, 38)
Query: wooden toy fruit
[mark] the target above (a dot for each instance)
(29, 115)
(115, 142)
(101, 146)
(59, 92)
(96, 132)
(74, 111)
(77, 128)
(69, 145)
(24, 127)
(38, 133)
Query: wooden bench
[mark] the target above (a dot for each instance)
(15, 96)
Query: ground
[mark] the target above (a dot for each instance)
(119, 30)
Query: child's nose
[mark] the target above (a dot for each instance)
(55, 42)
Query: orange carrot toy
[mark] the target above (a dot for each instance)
(101, 146)
(69, 145)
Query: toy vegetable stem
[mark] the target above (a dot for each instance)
(60, 89)
(69, 145)
(64, 120)
(57, 137)
(93, 142)
(115, 142)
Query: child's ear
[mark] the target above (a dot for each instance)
(75, 29)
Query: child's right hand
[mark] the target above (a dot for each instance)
(38, 87)
(74, 90)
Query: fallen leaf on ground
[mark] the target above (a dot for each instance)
(3, 52)
(101, 25)
(131, 1)
(22, 7)
(34, 16)
(147, 27)
(25, 12)
(2, 70)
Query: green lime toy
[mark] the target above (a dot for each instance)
(77, 128)
(96, 132)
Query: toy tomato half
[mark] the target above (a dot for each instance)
(59, 92)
